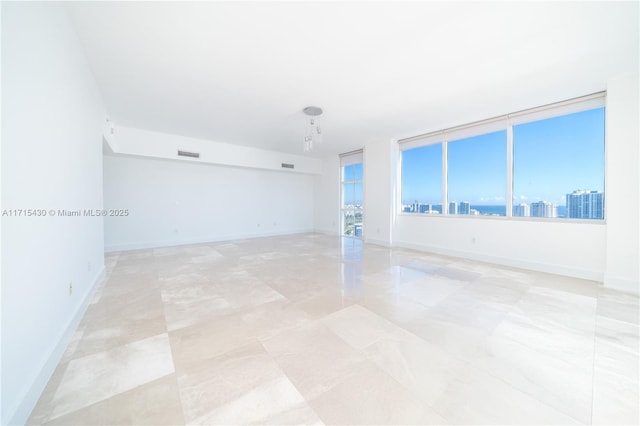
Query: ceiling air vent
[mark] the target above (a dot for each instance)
(287, 166)
(188, 154)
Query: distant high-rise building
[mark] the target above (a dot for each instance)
(465, 207)
(425, 208)
(453, 207)
(521, 210)
(583, 204)
(543, 209)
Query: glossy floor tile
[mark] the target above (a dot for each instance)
(312, 329)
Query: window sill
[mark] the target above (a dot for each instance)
(508, 219)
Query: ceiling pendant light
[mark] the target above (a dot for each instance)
(312, 131)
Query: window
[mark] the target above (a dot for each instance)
(558, 166)
(545, 162)
(477, 175)
(422, 179)
(352, 194)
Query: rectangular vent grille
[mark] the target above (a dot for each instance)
(189, 154)
(287, 166)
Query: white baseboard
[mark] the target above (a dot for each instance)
(622, 284)
(514, 263)
(29, 400)
(200, 240)
(376, 242)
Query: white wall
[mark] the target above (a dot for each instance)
(145, 143)
(623, 186)
(327, 197)
(572, 249)
(52, 118)
(173, 202)
(377, 193)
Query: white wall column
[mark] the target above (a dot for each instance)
(622, 184)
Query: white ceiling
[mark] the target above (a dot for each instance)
(242, 72)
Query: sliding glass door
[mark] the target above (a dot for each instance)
(352, 205)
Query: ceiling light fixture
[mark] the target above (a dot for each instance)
(312, 131)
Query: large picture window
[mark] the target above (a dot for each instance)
(547, 162)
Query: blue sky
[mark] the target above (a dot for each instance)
(422, 174)
(477, 169)
(551, 158)
(559, 155)
(352, 191)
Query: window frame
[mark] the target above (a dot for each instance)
(347, 159)
(504, 122)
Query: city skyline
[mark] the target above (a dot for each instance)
(580, 204)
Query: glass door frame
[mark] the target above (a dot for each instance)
(352, 205)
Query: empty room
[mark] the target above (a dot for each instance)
(334, 212)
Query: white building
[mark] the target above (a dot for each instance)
(453, 207)
(521, 210)
(543, 209)
(585, 204)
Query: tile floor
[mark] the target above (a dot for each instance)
(311, 329)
